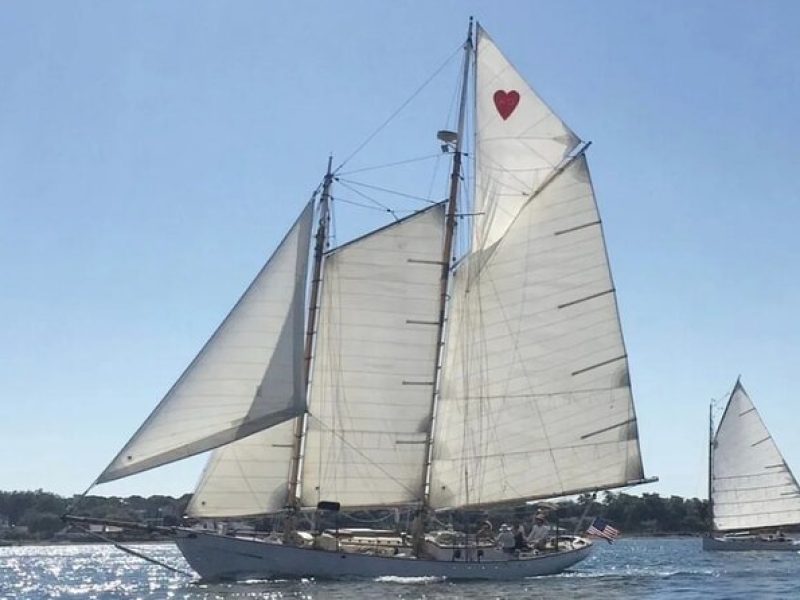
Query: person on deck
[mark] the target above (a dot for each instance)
(537, 538)
(505, 539)
(485, 531)
(520, 541)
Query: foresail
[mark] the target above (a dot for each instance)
(373, 368)
(246, 478)
(751, 484)
(535, 399)
(519, 143)
(248, 376)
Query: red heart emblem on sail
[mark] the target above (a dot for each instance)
(506, 102)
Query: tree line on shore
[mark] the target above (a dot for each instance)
(36, 515)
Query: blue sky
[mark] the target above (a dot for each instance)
(152, 155)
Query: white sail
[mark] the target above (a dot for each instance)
(373, 370)
(247, 377)
(519, 142)
(248, 477)
(535, 399)
(751, 485)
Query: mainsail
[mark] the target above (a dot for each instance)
(247, 377)
(374, 365)
(751, 484)
(535, 399)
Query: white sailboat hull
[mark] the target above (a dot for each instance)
(226, 558)
(754, 543)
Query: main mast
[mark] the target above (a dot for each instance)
(710, 466)
(447, 254)
(321, 242)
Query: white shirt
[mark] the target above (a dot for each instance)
(506, 539)
(539, 531)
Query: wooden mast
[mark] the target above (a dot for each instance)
(447, 254)
(320, 244)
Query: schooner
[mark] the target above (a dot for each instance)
(388, 372)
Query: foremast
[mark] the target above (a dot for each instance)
(447, 255)
(301, 422)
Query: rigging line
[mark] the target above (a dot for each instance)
(385, 190)
(522, 363)
(434, 175)
(358, 451)
(385, 517)
(451, 110)
(391, 117)
(77, 500)
(467, 202)
(368, 206)
(133, 552)
(365, 196)
(391, 164)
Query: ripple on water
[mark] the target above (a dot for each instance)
(632, 568)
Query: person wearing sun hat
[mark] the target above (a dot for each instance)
(505, 539)
(537, 538)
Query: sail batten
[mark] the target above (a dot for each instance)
(245, 379)
(751, 484)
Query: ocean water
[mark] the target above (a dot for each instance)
(630, 568)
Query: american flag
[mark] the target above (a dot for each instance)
(601, 528)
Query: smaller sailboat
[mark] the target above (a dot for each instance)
(752, 492)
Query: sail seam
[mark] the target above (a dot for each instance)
(754, 488)
(760, 513)
(757, 501)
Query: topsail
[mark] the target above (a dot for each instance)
(519, 143)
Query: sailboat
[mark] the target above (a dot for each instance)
(389, 372)
(752, 491)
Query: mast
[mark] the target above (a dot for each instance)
(447, 253)
(710, 451)
(320, 243)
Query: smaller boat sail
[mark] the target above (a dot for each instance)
(752, 490)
